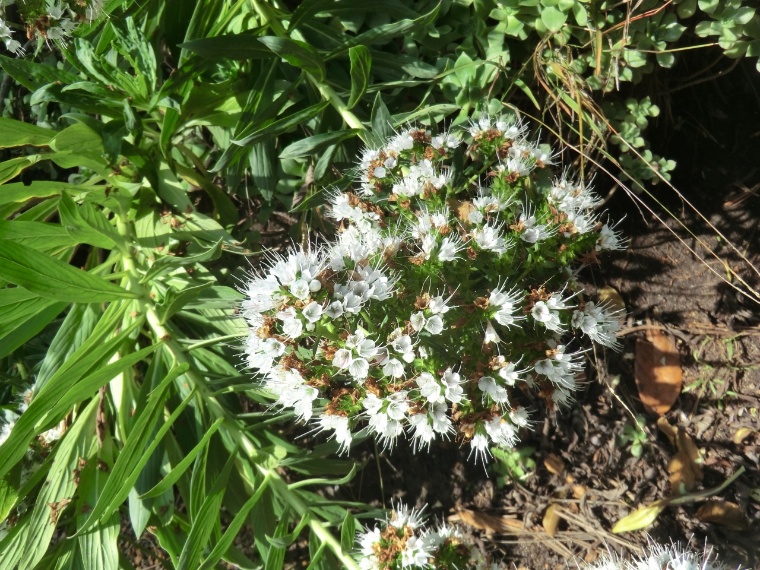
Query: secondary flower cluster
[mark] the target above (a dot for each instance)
(48, 20)
(403, 541)
(672, 557)
(446, 302)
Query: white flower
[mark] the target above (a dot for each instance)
(598, 323)
(449, 248)
(434, 325)
(430, 389)
(497, 393)
(334, 310)
(341, 430)
(541, 313)
(394, 368)
(453, 390)
(609, 239)
(479, 446)
(489, 238)
(417, 321)
(343, 358)
(491, 336)
(312, 312)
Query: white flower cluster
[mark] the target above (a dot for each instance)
(6, 37)
(442, 302)
(657, 557)
(403, 541)
(49, 20)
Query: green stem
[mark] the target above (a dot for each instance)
(230, 427)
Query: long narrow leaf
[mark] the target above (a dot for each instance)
(54, 279)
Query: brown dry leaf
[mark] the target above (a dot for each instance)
(579, 491)
(610, 297)
(488, 523)
(724, 513)
(742, 434)
(686, 466)
(554, 464)
(551, 520)
(658, 371)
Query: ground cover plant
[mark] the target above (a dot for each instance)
(247, 247)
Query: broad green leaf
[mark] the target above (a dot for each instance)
(35, 75)
(176, 300)
(23, 315)
(553, 18)
(54, 279)
(41, 236)
(86, 224)
(298, 54)
(19, 192)
(137, 450)
(78, 139)
(170, 262)
(313, 144)
(26, 547)
(361, 63)
(15, 166)
(17, 133)
(245, 45)
(282, 125)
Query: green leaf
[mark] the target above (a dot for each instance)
(15, 166)
(176, 300)
(86, 224)
(361, 63)
(137, 450)
(54, 279)
(348, 532)
(39, 235)
(77, 378)
(35, 75)
(73, 332)
(23, 315)
(385, 32)
(553, 18)
(282, 125)
(27, 547)
(233, 528)
(173, 476)
(382, 122)
(231, 46)
(19, 192)
(17, 133)
(206, 519)
(313, 144)
(298, 54)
